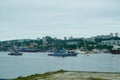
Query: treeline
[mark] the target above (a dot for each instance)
(55, 43)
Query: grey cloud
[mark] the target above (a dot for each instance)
(44, 17)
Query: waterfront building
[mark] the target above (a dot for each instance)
(116, 34)
(38, 39)
(92, 39)
(71, 37)
(44, 41)
(111, 34)
(110, 42)
(55, 38)
(65, 38)
(104, 36)
(72, 42)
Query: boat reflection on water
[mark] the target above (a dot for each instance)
(63, 53)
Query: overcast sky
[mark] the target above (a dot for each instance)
(58, 18)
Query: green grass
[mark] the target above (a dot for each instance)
(48, 74)
(40, 76)
(97, 79)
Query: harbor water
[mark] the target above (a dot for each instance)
(40, 62)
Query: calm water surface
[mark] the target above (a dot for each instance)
(31, 63)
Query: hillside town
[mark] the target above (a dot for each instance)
(47, 43)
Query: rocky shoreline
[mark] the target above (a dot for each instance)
(72, 75)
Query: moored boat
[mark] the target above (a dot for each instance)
(15, 54)
(63, 53)
(115, 50)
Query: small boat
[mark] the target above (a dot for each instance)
(115, 50)
(15, 52)
(63, 53)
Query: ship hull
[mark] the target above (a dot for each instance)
(15, 54)
(63, 54)
(115, 51)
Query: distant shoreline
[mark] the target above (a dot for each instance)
(73, 75)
